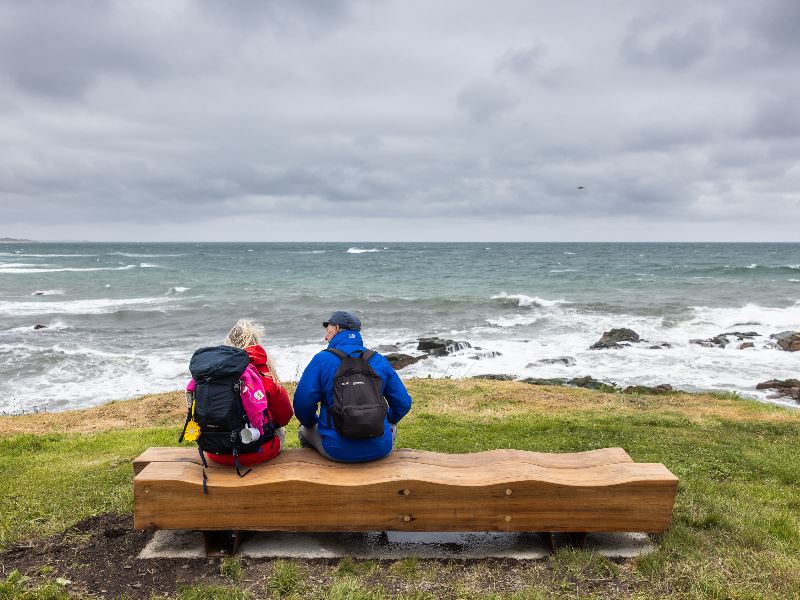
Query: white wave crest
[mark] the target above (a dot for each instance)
(145, 265)
(523, 300)
(48, 293)
(751, 266)
(139, 255)
(81, 307)
(355, 250)
(43, 255)
(178, 290)
(725, 318)
(15, 270)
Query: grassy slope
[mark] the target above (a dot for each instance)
(736, 530)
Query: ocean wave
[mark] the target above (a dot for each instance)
(149, 266)
(795, 280)
(355, 250)
(178, 290)
(44, 255)
(523, 300)
(98, 306)
(563, 270)
(765, 316)
(16, 271)
(48, 293)
(139, 255)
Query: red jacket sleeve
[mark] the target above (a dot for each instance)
(280, 408)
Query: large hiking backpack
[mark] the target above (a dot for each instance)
(359, 409)
(217, 405)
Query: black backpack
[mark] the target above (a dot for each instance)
(359, 409)
(218, 410)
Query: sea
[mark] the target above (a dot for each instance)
(122, 319)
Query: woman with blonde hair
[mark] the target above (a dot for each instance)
(247, 335)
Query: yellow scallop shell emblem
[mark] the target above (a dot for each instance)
(192, 431)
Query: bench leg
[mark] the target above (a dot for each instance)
(221, 543)
(576, 539)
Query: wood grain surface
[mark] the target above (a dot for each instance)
(411, 490)
(574, 460)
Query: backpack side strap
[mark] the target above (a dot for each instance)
(336, 352)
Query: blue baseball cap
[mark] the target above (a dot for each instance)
(345, 320)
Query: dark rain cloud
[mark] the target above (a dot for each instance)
(169, 120)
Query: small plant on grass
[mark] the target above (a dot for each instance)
(212, 592)
(285, 578)
(14, 588)
(408, 568)
(349, 588)
(232, 568)
(348, 566)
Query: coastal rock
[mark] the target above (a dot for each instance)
(615, 339)
(40, 326)
(719, 341)
(786, 388)
(661, 346)
(544, 381)
(440, 347)
(788, 340)
(746, 345)
(559, 360)
(742, 335)
(400, 361)
(495, 377)
(481, 354)
(778, 384)
(591, 383)
(663, 388)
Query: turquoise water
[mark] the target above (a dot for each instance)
(123, 319)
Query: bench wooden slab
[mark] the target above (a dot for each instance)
(411, 490)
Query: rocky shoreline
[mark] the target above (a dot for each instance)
(615, 339)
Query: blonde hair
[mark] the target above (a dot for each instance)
(249, 333)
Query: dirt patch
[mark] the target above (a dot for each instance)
(98, 556)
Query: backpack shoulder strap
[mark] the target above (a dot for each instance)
(336, 352)
(367, 355)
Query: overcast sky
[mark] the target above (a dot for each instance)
(392, 121)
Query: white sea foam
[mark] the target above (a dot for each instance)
(17, 271)
(355, 250)
(752, 266)
(48, 293)
(523, 300)
(178, 290)
(767, 317)
(563, 270)
(82, 307)
(43, 255)
(794, 280)
(142, 255)
(145, 265)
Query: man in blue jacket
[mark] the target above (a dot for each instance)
(316, 388)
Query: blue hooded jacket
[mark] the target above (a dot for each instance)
(316, 388)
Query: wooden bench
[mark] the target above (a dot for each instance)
(410, 490)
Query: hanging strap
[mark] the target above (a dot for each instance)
(238, 465)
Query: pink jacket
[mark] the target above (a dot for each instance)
(254, 400)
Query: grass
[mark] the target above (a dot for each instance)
(736, 525)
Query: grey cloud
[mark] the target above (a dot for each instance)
(648, 44)
(777, 117)
(192, 113)
(522, 61)
(485, 100)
